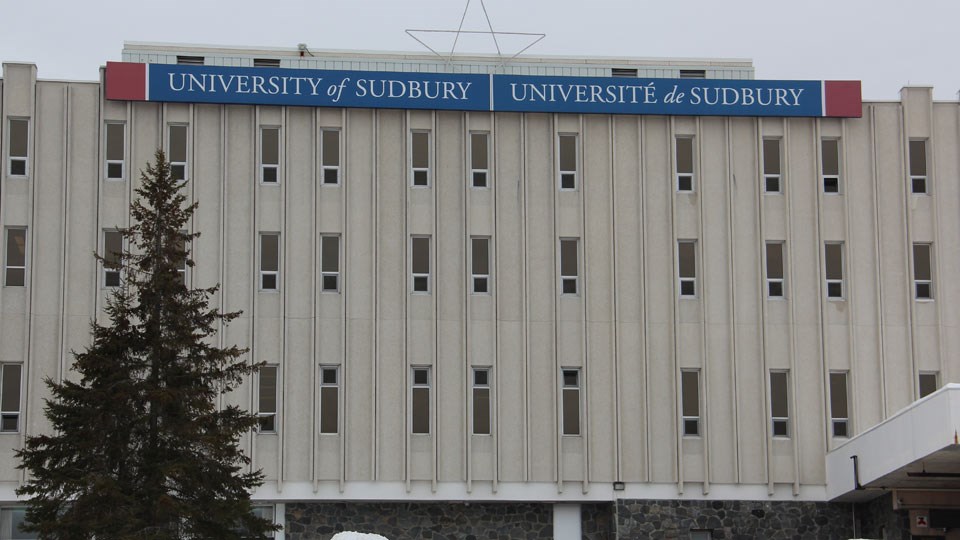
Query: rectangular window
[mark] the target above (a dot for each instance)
(693, 74)
(569, 265)
(623, 72)
(267, 398)
(112, 251)
(929, 382)
(114, 151)
(269, 155)
(830, 166)
(922, 275)
(684, 151)
(330, 263)
(480, 265)
(774, 269)
(420, 264)
(12, 521)
(918, 167)
(833, 260)
(19, 142)
(571, 401)
(330, 158)
(690, 400)
(567, 150)
(839, 409)
(177, 140)
(329, 399)
(15, 272)
(263, 511)
(479, 160)
(10, 398)
(269, 261)
(687, 267)
(420, 400)
(182, 263)
(266, 62)
(481, 401)
(779, 404)
(420, 158)
(190, 60)
(771, 166)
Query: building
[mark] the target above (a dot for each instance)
(500, 300)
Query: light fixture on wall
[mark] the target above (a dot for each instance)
(619, 486)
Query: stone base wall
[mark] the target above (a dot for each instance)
(737, 520)
(878, 519)
(439, 521)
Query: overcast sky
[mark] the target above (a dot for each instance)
(885, 43)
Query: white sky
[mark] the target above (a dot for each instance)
(885, 43)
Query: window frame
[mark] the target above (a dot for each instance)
(324, 368)
(12, 510)
(6, 256)
(914, 178)
(264, 167)
(107, 162)
(426, 170)
(681, 280)
(564, 173)
(264, 273)
(414, 386)
(324, 274)
(105, 270)
(17, 414)
(775, 281)
(565, 390)
(186, 153)
(324, 168)
(275, 414)
(678, 175)
(768, 176)
(918, 283)
(781, 420)
(833, 281)
(414, 276)
(565, 278)
(9, 147)
(936, 382)
(476, 387)
(836, 421)
(696, 419)
(485, 172)
(835, 177)
(477, 277)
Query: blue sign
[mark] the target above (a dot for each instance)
(475, 92)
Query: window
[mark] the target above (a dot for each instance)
(839, 410)
(178, 152)
(15, 274)
(774, 269)
(479, 161)
(571, 401)
(330, 263)
(481, 401)
(114, 151)
(269, 261)
(329, 399)
(420, 264)
(330, 158)
(830, 166)
(420, 158)
(623, 72)
(701, 534)
(569, 266)
(771, 166)
(480, 265)
(918, 167)
(779, 404)
(690, 401)
(693, 74)
(10, 398)
(11, 521)
(19, 130)
(269, 155)
(112, 251)
(567, 149)
(266, 62)
(684, 164)
(929, 382)
(922, 280)
(190, 60)
(182, 263)
(267, 394)
(263, 511)
(833, 259)
(687, 267)
(420, 401)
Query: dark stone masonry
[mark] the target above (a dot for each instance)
(402, 521)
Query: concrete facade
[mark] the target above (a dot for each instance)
(628, 332)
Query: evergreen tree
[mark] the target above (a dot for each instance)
(139, 447)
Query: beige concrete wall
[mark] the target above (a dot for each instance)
(627, 330)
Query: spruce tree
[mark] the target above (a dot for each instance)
(139, 447)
